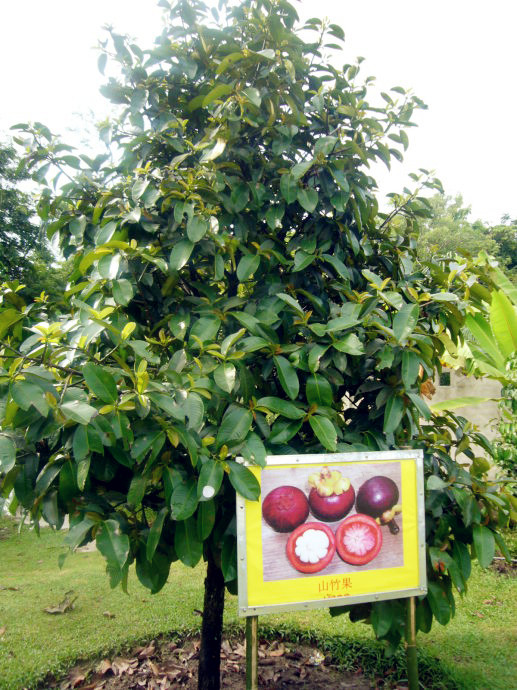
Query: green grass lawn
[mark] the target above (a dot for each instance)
(477, 648)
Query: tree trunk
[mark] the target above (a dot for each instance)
(209, 676)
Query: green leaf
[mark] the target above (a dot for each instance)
(503, 548)
(229, 558)
(349, 344)
(243, 481)
(300, 169)
(382, 617)
(136, 490)
(435, 483)
(224, 376)
(247, 267)
(113, 544)
(341, 181)
(503, 320)
(454, 403)
(205, 519)
(253, 450)
(228, 61)
(325, 145)
(282, 407)
(83, 468)
(235, 426)
(194, 410)
(206, 328)
(484, 544)
(26, 394)
(214, 152)
(122, 291)
(155, 533)
(7, 455)
(469, 506)
(308, 199)
(78, 411)
(86, 440)
(253, 95)
(197, 228)
(287, 376)
(315, 355)
(218, 91)
(461, 556)
(210, 480)
(302, 260)
(343, 322)
(393, 413)
(482, 332)
(337, 265)
(289, 188)
(324, 431)
(444, 297)
(318, 391)
(180, 254)
(184, 500)
(108, 266)
(77, 533)
(169, 405)
(274, 216)
(420, 405)
(410, 368)
(439, 603)
(283, 431)
(404, 321)
(291, 302)
(100, 382)
(188, 547)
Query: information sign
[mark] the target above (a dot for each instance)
(332, 529)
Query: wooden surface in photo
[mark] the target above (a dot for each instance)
(275, 562)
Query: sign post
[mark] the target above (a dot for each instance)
(252, 653)
(332, 530)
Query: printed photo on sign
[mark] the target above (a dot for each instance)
(331, 521)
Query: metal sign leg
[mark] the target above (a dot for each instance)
(252, 653)
(412, 663)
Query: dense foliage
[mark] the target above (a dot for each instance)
(236, 292)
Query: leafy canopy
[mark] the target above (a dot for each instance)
(235, 292)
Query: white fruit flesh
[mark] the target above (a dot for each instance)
(359, 540)
(312, 546)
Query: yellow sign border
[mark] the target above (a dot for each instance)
(257, 596)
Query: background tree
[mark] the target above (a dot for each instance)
(448, 231)
(24, 251)
(233, 283)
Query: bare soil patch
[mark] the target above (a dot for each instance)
(163, 665)
(502, 567)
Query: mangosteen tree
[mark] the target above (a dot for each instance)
(235, 292)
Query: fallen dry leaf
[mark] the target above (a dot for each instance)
(108, 614)
(146, 652)
(120, 666)
(64, 606)
(9, 589)
(280, 651)
(2, 630)
(427, 389)
(104, 667)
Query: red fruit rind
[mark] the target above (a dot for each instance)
(358, 539)
(291, 548)
(333, 507)
(284, 508)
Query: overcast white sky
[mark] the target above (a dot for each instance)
(459, 56)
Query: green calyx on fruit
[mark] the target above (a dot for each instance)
(329, 482)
